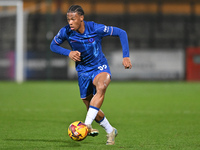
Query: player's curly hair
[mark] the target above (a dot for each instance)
(76, 9)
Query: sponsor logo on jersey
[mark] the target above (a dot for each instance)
(106, 29)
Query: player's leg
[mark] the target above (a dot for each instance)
(100, 118)
(91, 131)
(101, 82)
(100, 114)
(86, 93)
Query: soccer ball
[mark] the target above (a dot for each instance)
(77, 131)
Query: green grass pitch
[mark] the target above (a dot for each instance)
(148, 116)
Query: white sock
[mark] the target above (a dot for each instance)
(91, 114)
(106, 125)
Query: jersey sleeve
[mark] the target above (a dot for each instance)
(104, 30)
(59, 39)
(123, 39)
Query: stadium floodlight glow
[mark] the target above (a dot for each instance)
(19, 67)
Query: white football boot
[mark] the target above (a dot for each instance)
(111, 137)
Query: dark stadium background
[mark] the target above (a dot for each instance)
(153, 27)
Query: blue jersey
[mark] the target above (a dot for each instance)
(88, 44)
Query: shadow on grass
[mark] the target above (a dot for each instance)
(43, 121)
(68, 143)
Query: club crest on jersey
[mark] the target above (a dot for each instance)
(91, 40)
(106, 29)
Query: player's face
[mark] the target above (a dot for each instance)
(75, 21)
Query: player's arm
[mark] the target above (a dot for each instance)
(125, 46)
(103, 30)
(55, 47)
(74, 55)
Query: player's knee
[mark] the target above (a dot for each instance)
(102, 87)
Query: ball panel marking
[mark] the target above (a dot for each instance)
(77, 131)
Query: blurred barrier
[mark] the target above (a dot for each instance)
(39, 67)
(193, 64)
(7, 65)
(160, 64)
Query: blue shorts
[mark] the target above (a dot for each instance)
(85, 80)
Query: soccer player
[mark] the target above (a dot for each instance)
(94, 74)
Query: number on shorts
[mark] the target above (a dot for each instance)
(102, 67)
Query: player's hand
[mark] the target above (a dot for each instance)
(75, 55)
(127, 63)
